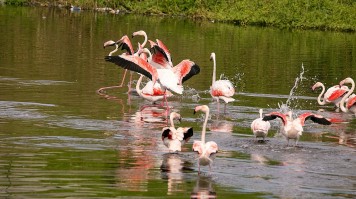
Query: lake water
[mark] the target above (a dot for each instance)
(60, 139)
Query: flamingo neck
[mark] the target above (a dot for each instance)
(261, 113)
(214, 70)
(139, 91)
(342, 102)
(172, 122)
(145, 41)
(116, 48)
(204, 127)
(321, 94)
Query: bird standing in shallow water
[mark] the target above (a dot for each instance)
(332, 95)
(221, 89)
(293, 128)
(259, 127)
(174, 138)
(205, 150)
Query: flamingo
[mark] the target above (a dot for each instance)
(152, 92)
(293, 128)
(351, 99)
(141, 33)
(174, 138)
(332, 95)
(169, 78)
(111, 43)
(221, 89)
(205, 150)
(259, 127)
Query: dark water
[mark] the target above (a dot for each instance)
(59, 139)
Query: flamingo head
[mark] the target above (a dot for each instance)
(140, 32)
(346, 81)
(175, 115)
(317, 85)
(109, 43)
(212, 56)
(203, 108)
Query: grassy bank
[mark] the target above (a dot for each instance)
(337, 15)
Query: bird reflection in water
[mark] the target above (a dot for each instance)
(172, 168)
(203, 188)
(150, 114)
(221, 126)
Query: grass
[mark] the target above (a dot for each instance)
(339, 15)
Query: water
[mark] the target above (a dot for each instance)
(59, 138)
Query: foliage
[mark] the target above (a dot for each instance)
(302, 14)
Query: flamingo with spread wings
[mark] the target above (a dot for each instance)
(174, 138)
(293, 128)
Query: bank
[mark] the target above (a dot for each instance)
(334, 15)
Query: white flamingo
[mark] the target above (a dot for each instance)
(152, 92)
(293, 128)
(349, 99)
(221, 89)
(205, 150)
(174, 138)
(332, 95)
(259, 127)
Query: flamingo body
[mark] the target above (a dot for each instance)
(332, 95)
(152, 92)
(174, 138)
(348, 98)
(293, 128)
(259, 127)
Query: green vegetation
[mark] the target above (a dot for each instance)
(302, 14)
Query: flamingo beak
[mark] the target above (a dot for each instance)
(194, 112)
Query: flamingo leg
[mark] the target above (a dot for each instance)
(198, 168)
(123, 78)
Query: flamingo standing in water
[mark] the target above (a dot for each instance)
(174, 138)
(332, 95)
(293, 128)
(348, 98)
(259, 127)
(205, 150)
(221, 89)
(169, 78)
(152, 92)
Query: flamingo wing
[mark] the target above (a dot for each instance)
(185, 70)
(160, 54)
(351, 101)
(336, 94)
(274, 115)
(314, 117)
(211, 147)
(198, 146)
(134, 63)
(167, 133)
(188, 133)
(125, 44)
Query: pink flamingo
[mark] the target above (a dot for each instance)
(205, 150)
(221, 89)
(174, 138)
(259, 127)
(293, 128)
(348, 98)
(332, 95)
(168, 78)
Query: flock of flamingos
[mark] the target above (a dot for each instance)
(156, 64)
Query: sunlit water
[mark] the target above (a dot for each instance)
(59, 138)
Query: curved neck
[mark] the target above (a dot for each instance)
(214, 71)
(139, 91)
(116, 48)
(145, 41)
(342, 102)
(204, 127)
(321, 94)
(172, 122)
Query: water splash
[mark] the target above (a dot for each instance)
(287, 106)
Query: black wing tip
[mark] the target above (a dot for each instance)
(268, 117)
(165, 132)
(188, 134)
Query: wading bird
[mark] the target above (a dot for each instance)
(293, 128)
(221, 89)
(205, 150)
(259, 127)
(174, 138)
(332, 95)
(349, 99)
